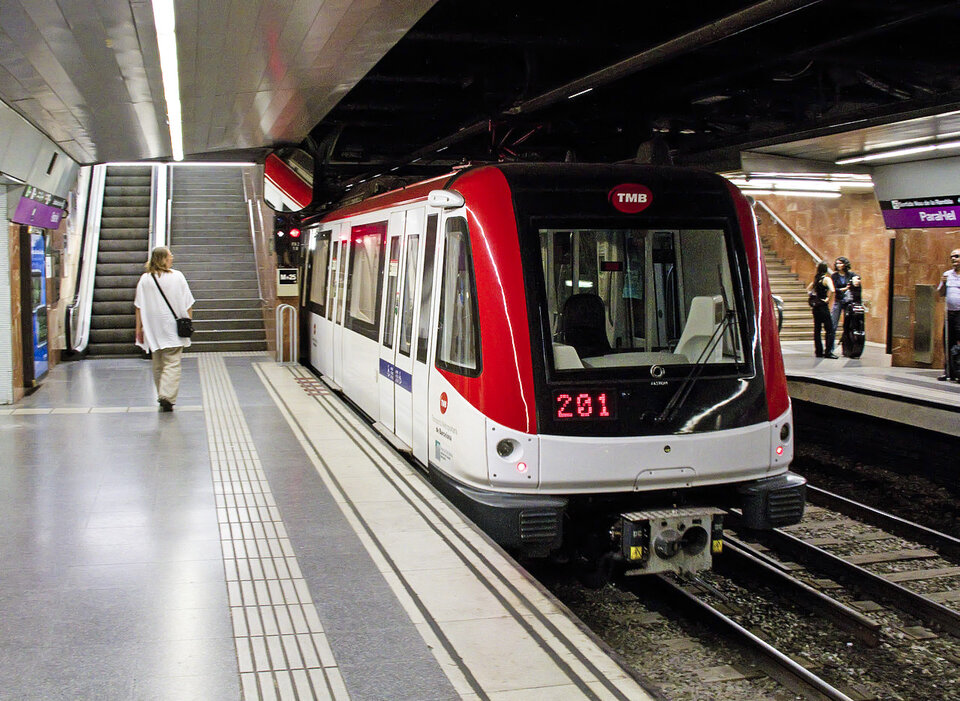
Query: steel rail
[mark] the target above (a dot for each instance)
(941, 542)
(776, 664)
(927, 610)
(738, 557)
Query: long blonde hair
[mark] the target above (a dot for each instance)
(158, 261)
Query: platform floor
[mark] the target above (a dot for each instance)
(869, 385)
(259, 542)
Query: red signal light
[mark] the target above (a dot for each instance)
(294, 233)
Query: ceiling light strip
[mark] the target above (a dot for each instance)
(163, 18)
(900, 152)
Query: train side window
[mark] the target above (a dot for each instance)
(319, 263)
(393, 280)
(406, 318)
(458, 332)
(426, 294)
(365, 282)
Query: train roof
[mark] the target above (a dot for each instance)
(533, 176)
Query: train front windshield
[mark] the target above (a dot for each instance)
(625, 298)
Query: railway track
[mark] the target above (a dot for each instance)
(822, 610)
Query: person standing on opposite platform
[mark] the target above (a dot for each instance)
(157, 325)
(821, 295)
(950, 288)
(841, 283)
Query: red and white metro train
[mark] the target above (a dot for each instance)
(583, 357)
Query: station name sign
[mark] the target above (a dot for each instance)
(921, 212)
(39, 208)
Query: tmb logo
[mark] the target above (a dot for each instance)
(630, 198)
(443, 402)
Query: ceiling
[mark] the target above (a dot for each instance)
(405, 88)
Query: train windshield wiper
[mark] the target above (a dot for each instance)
(683, 391)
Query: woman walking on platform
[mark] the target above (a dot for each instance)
(821, 293)
(163, 295)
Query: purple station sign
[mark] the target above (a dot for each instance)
(39, 208)
(922, 212)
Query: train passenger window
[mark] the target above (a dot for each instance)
(406, 314)
(365, 282)
(458, 333)
(426, 293)
(627, 298)
(319, 261)
(393, 280)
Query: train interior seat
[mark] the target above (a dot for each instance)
(706, 314)
(585, 325)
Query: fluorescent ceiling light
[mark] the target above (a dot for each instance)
(578, 94)
(793, 193)
(899, 153)
(163, 18)
(184, 164)
(786, 184)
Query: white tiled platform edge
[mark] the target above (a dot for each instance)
(494, 633)
(281, 647)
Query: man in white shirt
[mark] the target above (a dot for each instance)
(950, 288)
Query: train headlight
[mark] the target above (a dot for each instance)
(507, 447)
(785, 432)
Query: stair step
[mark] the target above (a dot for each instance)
(227, 346)
(137, 258)
(123, 269)
(109, 308)
(126, 350)
(124, 335)
(224, 303)
(114, 294)
(113, 321)
(215, 315)
(217, 325)
(104, 282)
(116, 245)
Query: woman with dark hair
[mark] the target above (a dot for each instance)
(822, 295)
(163, 295)
(841, 283)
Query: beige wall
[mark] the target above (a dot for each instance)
(922, 255)
(851, 226)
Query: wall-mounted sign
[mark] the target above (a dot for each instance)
(288, 282)
(921, 212)
(39, 208)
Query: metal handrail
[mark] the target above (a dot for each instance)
(282, 311)
(793, 234)
(80, 324)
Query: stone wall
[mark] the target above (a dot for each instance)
(851, 226)
(921, 257)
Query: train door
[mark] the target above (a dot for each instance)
(338, 268)
(388, 378)
(409, 262)
(423, 325)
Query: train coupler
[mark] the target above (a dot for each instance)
(670, 540)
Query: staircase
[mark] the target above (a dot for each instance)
(124, 248)
(797, 318)
(212, 246)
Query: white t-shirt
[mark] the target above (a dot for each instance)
(953, 290)
(159, 325)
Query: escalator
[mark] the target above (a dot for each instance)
(123, 249)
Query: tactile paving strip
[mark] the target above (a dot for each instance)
(282, 650)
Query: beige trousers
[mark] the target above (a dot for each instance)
(166, 372)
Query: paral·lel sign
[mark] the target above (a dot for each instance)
(921, 212)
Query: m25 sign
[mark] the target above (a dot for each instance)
(630, 198)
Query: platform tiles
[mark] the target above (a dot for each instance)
(493, 632)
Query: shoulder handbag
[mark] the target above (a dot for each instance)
(184, 324)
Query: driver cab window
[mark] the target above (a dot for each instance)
(622, 298)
